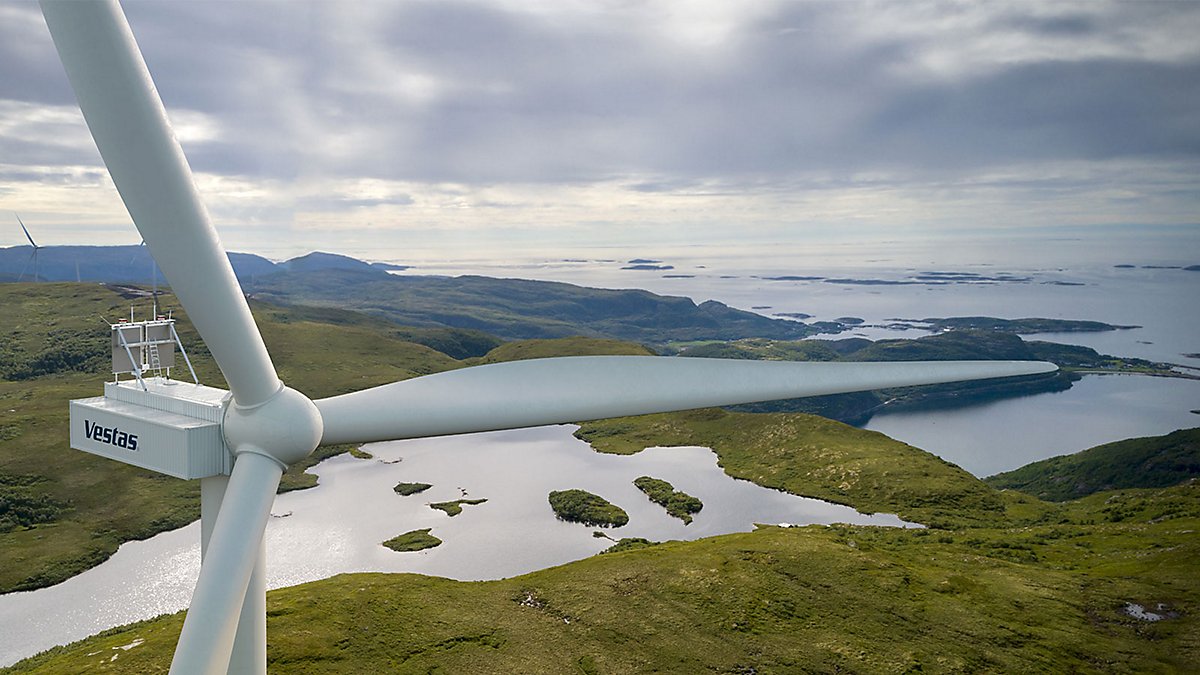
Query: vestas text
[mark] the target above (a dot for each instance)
(110, 435)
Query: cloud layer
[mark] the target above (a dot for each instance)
(386, 118)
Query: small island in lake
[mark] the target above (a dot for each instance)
(405, 489)
(580, 506)
(678, 504)
(455, 507)
(417, 540)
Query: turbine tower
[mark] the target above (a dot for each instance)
(33, 256)
(261, 426)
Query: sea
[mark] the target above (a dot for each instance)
(339, 526)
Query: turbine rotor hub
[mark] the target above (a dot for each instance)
(286, 427)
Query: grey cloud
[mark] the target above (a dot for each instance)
(1044, 111)
(29, 68)
(301, 90)
(398, 200)
(1051, 26)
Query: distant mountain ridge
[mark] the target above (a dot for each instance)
(132, 264)
(518, 309)
(512, 309)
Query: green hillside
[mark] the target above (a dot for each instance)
(1001, 582)
(63, 511)
(815, 457)
(1160, 461)
(1045, 596)
(517, 309)
(571, 346)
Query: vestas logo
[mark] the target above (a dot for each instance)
(110, 435)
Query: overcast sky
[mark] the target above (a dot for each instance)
(468, 127)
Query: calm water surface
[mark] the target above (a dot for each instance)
(1003, 435)
(1162, 302)
(338, 526)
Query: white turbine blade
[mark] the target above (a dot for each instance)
(206, 642)
(573, 389)
(134, 136)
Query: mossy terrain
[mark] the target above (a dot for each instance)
(815, 457)
(455, 507)
(570, 346)
(70, 510)
(417, 540)
(678, 504)
(1001, 582)
(1134, 463)
(630, 544)
(1042, 597)
(405, 489)
(581, 506)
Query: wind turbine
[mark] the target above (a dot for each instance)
(33, 255)
(267, 426)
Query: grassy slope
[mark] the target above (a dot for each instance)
(1029, 586)
(1138, 462)
(1042, 598)
(815, 457)
(571, 346)
(108, 502)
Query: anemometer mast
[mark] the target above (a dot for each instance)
(152, 421)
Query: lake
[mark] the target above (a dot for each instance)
(338, 526)
(996, 436)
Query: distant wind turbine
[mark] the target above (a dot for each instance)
(33, 255)
(267, 426)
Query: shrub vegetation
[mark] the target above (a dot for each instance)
(455, 507)
(579, 506)
(678, 504)
(417, 540)
(406, 489)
